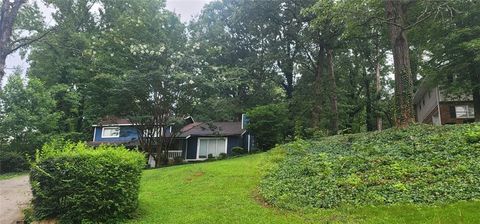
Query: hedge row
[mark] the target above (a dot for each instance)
(12, 162)
(79, 184)
(421, 164)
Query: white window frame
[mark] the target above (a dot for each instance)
(105, 136)
(210, 138)
(467, 112)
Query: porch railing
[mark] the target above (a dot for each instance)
(174, 153)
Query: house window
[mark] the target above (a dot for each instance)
(464, 111)
(451, 109)
(213, 146)
(111, 132)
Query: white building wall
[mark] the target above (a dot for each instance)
(427, 104)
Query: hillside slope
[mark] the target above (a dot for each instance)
(419, 165)
(226, 192)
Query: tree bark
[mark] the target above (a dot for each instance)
(287, 68)
(476, 95)
(318, 85)
(333, 93)
(396, 16)
(378, 91)
(368, 102)
(289, 85)
(2, 68)
(8, 14)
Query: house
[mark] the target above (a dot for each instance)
(434, 106)
(195, 142)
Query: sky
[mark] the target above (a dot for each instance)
(187, 9)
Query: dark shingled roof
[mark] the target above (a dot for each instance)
(112, 120)
(212, 129)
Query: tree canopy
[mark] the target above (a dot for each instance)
(325, 66)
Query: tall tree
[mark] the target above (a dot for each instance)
(399, 22)
(233, 67)
(62, 62)
(20, 25)
(328, 26)
(396, 13)
(27, 114)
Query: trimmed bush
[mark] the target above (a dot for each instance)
(78, 184)
(178, 160)
(238, 150)
(420, 165)
(222, 156)
(12, 162)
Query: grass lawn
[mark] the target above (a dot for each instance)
(11, 175)
(224, 192)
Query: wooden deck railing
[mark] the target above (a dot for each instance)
(174, 153)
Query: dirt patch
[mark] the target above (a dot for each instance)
(194, 176)
(259, 199)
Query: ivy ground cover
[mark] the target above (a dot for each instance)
(420, 165)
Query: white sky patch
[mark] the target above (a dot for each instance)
(186, 8)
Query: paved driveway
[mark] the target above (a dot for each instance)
(15, 195)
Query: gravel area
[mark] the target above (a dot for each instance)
(15, 194)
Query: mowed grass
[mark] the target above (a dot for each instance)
(6, 176)
(225, 192)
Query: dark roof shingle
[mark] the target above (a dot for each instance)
(212, 129)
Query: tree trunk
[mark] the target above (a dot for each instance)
(287, 68)
(333, 93)
(80, 115)
(476, 96)
(289, 86)
(8, 14)
(396, 13)
(3, 58)
(318, 85)
(378, 91)
(368, 102)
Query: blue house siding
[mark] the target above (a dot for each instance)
(189, 147)
(245, 141)
(192, 147)
(127, 133)
(233, 141)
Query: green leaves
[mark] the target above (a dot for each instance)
(270, 124)
(438, 165)
(76, 183)
(27, 114)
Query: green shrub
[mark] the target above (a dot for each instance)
(238, 150)
(473, 134)
(78, 184)
(12, 162)
(420, 165)
(178, 160)
(222, 156)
